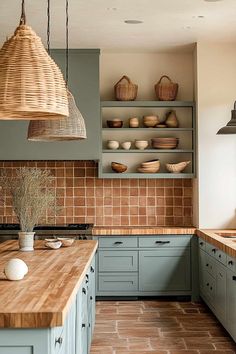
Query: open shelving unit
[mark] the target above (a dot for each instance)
(185, 111)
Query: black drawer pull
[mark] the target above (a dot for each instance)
(91, 298)
(162, 242)
(234, 277)
(92, 269)
(83, 325)
(118, 243)
(230, 262)
(201, 243)
(211, 288)
(208, 284)
(59, 340)
(84, 291)
(213, 250)
(219, 255)
(207, 265)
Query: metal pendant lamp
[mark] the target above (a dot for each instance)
(230, 127)
(31, 84)
(69, 128)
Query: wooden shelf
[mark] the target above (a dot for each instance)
(154, 151)
(149, 129)
(147, 104)
(145, 175)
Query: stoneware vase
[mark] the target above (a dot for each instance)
(26, 241)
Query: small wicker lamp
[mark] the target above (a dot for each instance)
(69, 128)
(31, 84)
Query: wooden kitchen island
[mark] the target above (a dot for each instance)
(52, 310)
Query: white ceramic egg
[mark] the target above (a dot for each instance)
(15, 269)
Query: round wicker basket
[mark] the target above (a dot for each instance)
(69, 128)
(31, 84)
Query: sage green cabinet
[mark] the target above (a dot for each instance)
(84, 85)
(164, 270)
(144, 265)
(217, 281)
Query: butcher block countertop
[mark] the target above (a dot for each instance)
(43, 297)
(228, 245)
(141, 230)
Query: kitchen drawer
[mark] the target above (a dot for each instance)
(216, 253)
(118, 242)
(117, 261)
(231, 263)
(118, 282)
(164, 241)
(202, 244)
(210, 265)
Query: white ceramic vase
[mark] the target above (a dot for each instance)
(26, 241)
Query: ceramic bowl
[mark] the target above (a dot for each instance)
(66, 241)
(126, 145)
(141, 144)
(152, 169)
(115, 123)
(134, 122)
(150, 121)
(118, 167)
(113, 144)
(177, 167)
(53, 245)
(151, 163)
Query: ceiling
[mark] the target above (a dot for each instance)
(167, 24)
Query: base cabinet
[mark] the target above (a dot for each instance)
(144, 265)
(74, 337)
(218, 284)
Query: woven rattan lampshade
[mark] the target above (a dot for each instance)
(31, 84)
(69, 128)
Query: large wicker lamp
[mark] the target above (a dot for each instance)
(31, 84)
(69, 128)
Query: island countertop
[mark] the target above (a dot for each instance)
(43, 297)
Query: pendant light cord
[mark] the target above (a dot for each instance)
(48, 27)
(67, 42)
(23, 17)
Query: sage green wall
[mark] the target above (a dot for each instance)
(84, 84)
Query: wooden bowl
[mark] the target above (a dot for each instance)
(177, 167)
(66, 241)
(115, 123)
(118, 167)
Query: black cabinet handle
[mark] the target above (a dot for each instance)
(230, 262)
(118, 243)
(219, 255)
(162, 242)
(213, 250)
(211, 288)
(208, 284)
(59, 340)
(91, 298)
(234, 277)
(83, 325)
(92, 269)
(84, 291)
(201, 243)
(207, 265)
(87, 279)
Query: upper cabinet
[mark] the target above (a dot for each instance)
(84, 85)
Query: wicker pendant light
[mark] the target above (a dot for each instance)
(69, 128)
(31, 84)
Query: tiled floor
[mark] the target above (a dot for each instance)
(158, 327)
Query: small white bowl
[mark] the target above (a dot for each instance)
(53, 245)
(113, 144)
(141, 144)
(126, 145)
(66, 241)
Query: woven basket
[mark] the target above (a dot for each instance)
(125, 90)
(31, 84)
(69, 128)
(166, 91)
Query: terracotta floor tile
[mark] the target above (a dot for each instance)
(158, 327)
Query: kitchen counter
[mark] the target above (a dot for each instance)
(141, 230)
(227, 245)
(43, 297)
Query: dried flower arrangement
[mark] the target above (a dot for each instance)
(31, 195)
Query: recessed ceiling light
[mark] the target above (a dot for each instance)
(133, 22)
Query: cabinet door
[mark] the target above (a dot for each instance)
(202, 262)
(164, 270)
(82, 320)
(220, 293)
(231, 303)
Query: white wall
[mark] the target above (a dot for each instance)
(216, 93)
(145, 69)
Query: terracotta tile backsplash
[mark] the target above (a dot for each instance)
(83, 197)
